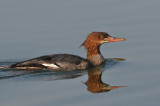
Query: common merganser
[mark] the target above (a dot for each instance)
(68, 62)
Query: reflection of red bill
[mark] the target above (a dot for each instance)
(115, 87)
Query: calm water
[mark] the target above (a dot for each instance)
(33, 28)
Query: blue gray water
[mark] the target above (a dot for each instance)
(31, 28)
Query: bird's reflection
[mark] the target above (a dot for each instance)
(95, 83)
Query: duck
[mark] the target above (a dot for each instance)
(70, 62)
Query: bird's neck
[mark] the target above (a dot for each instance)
(94, 55)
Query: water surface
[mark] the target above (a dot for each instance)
(33, 28)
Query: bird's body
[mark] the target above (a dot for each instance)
(67, 62)
(54, 62)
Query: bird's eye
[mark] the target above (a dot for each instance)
(101, 37)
